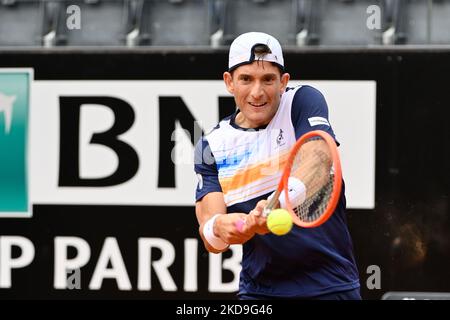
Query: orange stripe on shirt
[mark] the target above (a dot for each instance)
(251, 188)
(253, 173)
(239, 199)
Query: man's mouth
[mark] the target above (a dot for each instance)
(258, 105)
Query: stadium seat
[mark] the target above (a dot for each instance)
(344, 23)
(427, 22)
(177, 22)
(416, 22)
(20, 22)
(276, 17)
(440, 24)
(103, 23)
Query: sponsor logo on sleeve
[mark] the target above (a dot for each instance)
(317, 121)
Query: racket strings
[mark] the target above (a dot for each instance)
(314, 205)
(319, 184)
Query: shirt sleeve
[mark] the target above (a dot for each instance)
(206, 170)
(310, 112)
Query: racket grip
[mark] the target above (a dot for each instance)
(266, 211)
(240, 225)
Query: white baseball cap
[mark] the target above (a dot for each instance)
(241, 50)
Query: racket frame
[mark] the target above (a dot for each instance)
(283, 185)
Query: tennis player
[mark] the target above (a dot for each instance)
(238, 164)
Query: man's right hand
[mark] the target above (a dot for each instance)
(225, 227)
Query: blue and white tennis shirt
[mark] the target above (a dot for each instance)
(245, 165)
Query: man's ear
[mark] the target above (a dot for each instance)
(284, 82)
(228, 79)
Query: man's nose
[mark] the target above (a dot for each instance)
(257, 91)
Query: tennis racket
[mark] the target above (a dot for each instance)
(314, 160)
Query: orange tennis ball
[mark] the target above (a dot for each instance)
(279, 222)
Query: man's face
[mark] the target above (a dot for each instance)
(257, 89)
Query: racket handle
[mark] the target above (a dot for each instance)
(240, 225)
(266, 211)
